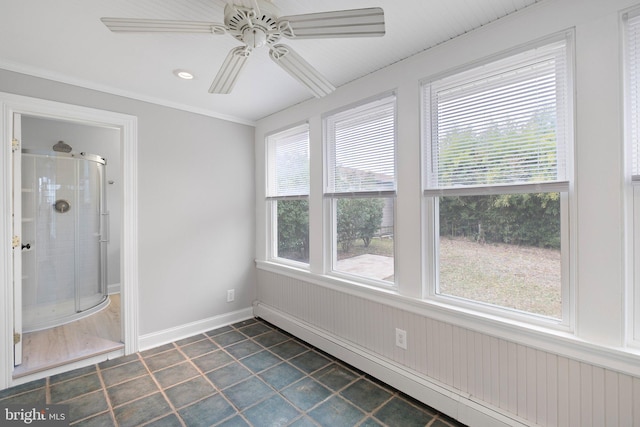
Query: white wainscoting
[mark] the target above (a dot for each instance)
(473, 377)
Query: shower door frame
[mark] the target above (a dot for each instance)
(11, 105)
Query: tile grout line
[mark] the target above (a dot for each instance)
(256, 374)
(337, 393)
(303, 413)
(307, 375)
(106, 396)
(371, 413)
(253, 374)
(162, 391)
(49, 386)
(206, 378)
(234, 359)
(282, 360)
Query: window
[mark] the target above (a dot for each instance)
(288, 193)
(497, 142)
(360, 189)
(632, 138)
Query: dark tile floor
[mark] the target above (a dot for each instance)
(247, 374)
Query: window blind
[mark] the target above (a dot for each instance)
(288, 163)
(360, 149)
(504, 123)
(632, 59)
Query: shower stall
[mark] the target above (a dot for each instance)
(64, 237)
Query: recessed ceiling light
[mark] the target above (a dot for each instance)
(183, 74)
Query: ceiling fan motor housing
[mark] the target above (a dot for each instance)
(255, 28)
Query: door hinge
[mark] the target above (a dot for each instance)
(15, 242)
(15, 144)
(16, 338)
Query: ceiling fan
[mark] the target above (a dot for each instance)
(257, 23)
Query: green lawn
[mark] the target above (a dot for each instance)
(522, 278)
(518, 277)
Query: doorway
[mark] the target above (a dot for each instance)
(70, 253)
(32, 116)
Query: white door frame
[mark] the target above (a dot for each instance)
(16, 211)
(128, 126)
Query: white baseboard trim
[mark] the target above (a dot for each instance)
(165, 336)
(441, 397)
(114, 288)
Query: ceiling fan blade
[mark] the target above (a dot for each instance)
(300, 69)
(230, 70)
(368, 22)
(132, 25)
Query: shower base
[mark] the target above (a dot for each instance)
(47, 316)
(77, 340)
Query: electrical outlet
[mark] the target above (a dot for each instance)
(231, 295)
(401, 338)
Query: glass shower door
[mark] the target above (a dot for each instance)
(90, 280)
(63, 270)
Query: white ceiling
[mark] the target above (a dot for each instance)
(64, 40)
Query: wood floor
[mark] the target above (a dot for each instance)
(91, 336)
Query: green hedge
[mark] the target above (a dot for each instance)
(521, 219)
(293, 229)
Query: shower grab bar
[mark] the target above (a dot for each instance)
(106, 230)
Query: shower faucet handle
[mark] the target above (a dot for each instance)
(27, 246)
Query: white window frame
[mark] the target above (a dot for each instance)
(631, 96)
(272, 199)
(567, 206)
(330, 199)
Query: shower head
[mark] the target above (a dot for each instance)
(62, 147)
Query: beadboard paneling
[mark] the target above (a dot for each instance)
(533, 385)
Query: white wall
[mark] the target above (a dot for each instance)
(195, 232)
(41, 134)
(531, 375)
